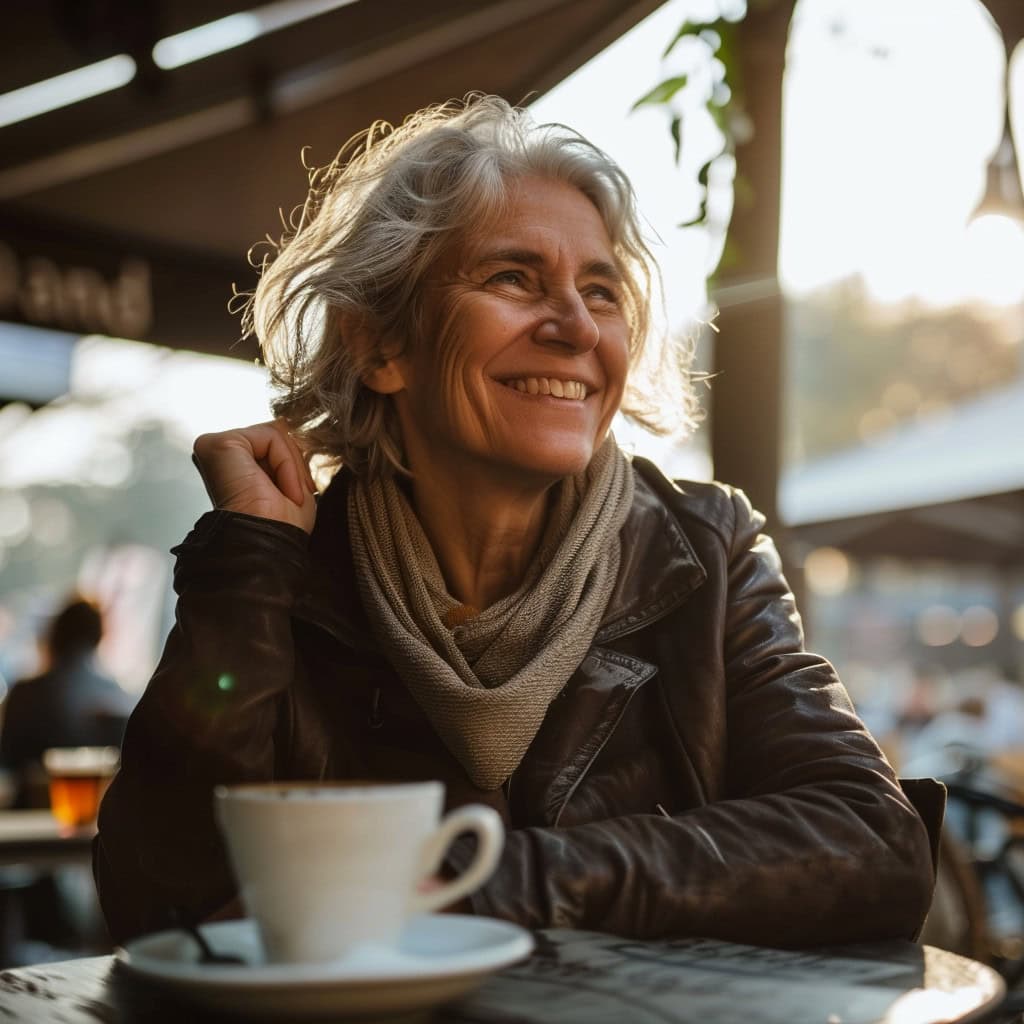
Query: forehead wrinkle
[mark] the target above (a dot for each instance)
(531, 258)
(528, 257)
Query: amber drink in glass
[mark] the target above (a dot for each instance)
(78, 778)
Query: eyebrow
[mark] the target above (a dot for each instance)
(530, 258)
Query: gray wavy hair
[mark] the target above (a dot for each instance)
(353, 258)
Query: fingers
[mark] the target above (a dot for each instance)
(300, 457)
(286, 463)
(233, 462)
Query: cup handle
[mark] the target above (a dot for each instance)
(486, 824)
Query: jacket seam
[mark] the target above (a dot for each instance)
(645, 617)
(645, 674)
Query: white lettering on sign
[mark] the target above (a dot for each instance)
(77, 298)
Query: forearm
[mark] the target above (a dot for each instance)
(814, 865)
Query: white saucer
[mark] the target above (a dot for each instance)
(440, 957)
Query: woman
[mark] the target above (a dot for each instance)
(489, 592)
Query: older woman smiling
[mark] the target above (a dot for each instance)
(490, 592)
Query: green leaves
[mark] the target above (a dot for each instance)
(676, 128)
(702, 210)
(717, 39)
(662, 92)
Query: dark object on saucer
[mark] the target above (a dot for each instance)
(207, 954)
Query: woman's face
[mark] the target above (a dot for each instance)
(524, 362)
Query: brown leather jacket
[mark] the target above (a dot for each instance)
(700, 773)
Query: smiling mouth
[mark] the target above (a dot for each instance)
(572, 390)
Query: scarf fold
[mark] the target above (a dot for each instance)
(486, 683)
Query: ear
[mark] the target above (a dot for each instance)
(385, 377)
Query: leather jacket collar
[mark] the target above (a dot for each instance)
(658, 569)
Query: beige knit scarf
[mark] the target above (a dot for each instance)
(486, 684)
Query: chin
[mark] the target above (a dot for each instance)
(555, 462)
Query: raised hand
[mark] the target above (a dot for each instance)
(259, 470)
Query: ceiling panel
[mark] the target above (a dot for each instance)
(206, 158)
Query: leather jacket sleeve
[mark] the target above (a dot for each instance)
(812, 840)
(208, 716)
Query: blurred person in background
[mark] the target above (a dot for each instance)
(922, 701)
(51, 914)
(1004, 702)
(73, 703)
(954, 740)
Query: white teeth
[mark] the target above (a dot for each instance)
(575, 390)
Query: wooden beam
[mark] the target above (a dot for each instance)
(747, 390)
(299, 89)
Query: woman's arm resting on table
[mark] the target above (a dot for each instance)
(815, 844)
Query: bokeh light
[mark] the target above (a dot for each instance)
(15, 518)
(1017, 622)
(938, 625)
(51, 521)
(827, 571)
(110, 463)
(979, 626)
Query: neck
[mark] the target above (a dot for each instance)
(484, 536)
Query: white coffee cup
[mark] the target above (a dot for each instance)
(324, 868)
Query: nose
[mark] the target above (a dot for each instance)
(568, 324)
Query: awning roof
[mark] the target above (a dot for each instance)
(950, 486)
(967, 451)
(203, 155)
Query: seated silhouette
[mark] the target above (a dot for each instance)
(72, 704)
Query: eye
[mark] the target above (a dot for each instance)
(513, 277)
(601, 293)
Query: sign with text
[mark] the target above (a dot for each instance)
(76, 298)
(73, 278)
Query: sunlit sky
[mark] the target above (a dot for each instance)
(892, 113)
(117, 386)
